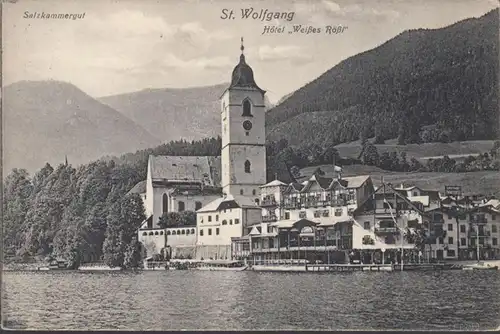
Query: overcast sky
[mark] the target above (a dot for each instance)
(124, 46)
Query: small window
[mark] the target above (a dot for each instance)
(165, 203)
(450, 253)
(494, 241)
(151, 233)
(181, 206)
(161, 232)
(450, 240)
(493, 217)
(367, 225)
(230, 222)
(241, 191)
(247, 133)
(183, 232)
(257, 201)
(216, 218)
(187, 232)
(197, 205)
(415, 193)
(462, 228)
(463, 241)
(441, 240)
(156, 233)
(493, 228)
(201, 233)
(254, 192)
(173, 232)
(338, 212)
(224, 222)
(247, 108)
(178, 232)
(217, 231)
(449, 216)
(209, 218)
(168, 233)
(145, 233)
(192, 231)
(247, 166)
(287, 215)
(450, 227)
(236, 221)
(209, 231)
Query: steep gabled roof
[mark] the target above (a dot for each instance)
(386, 189)
(197, 169)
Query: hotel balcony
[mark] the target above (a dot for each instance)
(268, 202)
(479, 220)
(269, 218)
(482, 233)
(386, 230)
(291, 205)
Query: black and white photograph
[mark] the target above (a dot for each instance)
(252, 165)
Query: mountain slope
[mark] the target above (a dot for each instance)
(447, 77)
(174, 113)
(171, 114)
(45, 120)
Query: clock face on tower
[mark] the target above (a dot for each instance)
(247, 125)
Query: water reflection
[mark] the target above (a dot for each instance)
(249, 300)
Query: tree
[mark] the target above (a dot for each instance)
(404, 165)
(402, 135)
(133, 256)
(17, 191)
(123, 220)
(370, 155)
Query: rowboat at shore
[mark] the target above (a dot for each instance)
(98, 267)
(479, 266)
(221, 265)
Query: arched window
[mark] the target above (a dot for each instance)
(173, 232)
(241, 191)
(254, 192)
(168, 232)
(187, 231)
(181, 206)
(156, 233)
(197, 205)
(183, 232)
(178, 232)
(145, 233)
(247, 108)
(165, 203)
(192, 231)
(247, 166)
(161, 232)
(151, 233)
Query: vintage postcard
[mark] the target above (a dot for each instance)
(250, 165)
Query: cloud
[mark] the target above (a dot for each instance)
(326, 9)
(292, 53)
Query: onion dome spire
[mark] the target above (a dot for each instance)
(243, 74)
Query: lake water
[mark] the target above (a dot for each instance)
(197, 300)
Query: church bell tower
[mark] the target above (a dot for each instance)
(243, 116)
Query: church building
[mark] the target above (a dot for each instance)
(224, 191)
(243, 165)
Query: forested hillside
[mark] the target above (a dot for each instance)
(445, 80)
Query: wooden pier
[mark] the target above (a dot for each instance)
(354, 267)
(349, 267)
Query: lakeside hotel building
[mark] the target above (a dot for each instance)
(328, 219)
